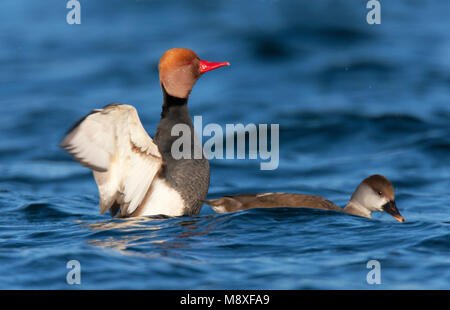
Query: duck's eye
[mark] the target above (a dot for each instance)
(379, 193)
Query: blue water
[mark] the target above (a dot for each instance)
(351, 99)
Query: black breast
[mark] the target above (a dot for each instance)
(189, 177)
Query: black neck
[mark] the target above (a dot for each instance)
(170, 101)
(174, 111)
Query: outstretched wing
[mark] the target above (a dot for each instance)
(270, 200)
(125, 160)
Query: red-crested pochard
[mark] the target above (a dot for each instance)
(373, 194)
(137, 175)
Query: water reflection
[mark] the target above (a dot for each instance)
(151, 236)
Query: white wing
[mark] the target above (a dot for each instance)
(125, 160)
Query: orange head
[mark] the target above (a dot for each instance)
(180, 68)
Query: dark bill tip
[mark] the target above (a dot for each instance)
(391, 208)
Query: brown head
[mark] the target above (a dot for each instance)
(180, 68)
(376, 193)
